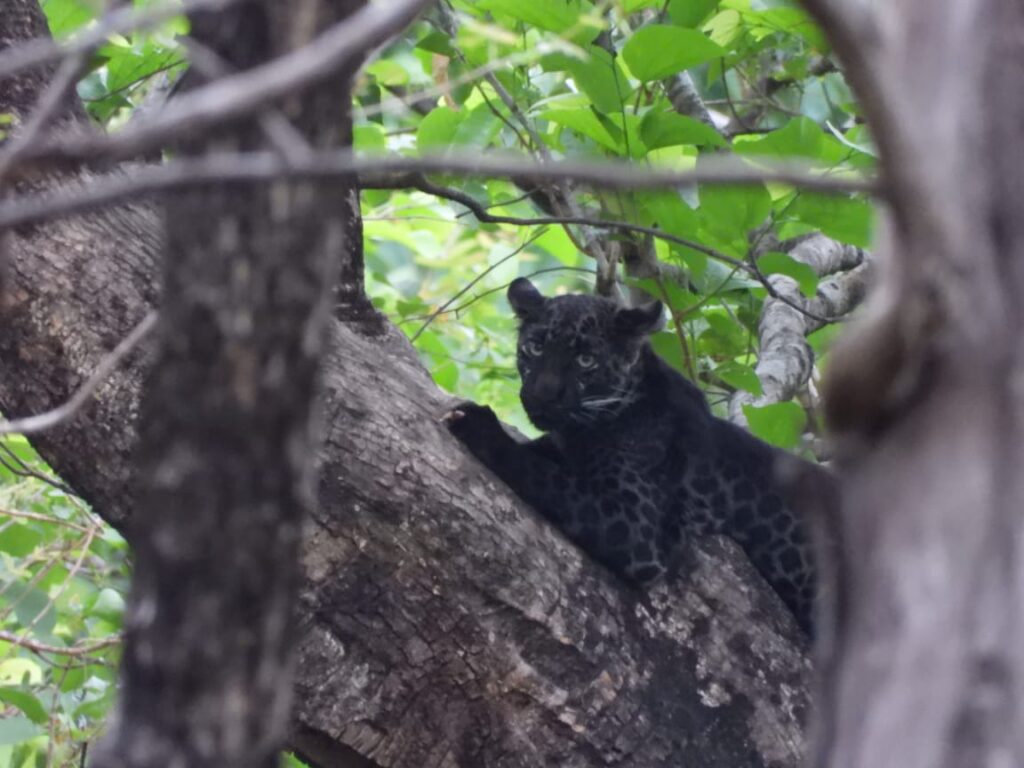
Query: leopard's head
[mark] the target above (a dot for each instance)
(579, 356)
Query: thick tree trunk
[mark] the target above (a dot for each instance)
(926, 669)
(227, 436)
(441, 622)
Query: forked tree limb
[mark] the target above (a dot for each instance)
(785, 359)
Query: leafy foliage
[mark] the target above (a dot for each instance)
(576, 80)
(547, 78)
(63, 574)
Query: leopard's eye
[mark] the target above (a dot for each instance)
(585, 361)
(533, 349)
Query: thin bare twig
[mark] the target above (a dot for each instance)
(72, 650)
(24, 470)
(490, 291)
(600, 254)
(473, 282)
(22, 515)
(88, 537)
(375, 172)
(421, 183)
(403, 102)
(38, 423)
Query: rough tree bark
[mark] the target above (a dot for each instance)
(785, 359)
(226, 433)
(926, 668)
(441, 622)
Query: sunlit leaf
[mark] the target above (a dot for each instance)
(66, 16)
(15, 729)
(659, 50)
(780, 424)
(559, 16)
(666, 129)
(690, 13)
(734, 210)
(585, 122)
(739, 376)
(596, 74)
(775, 263)
(26, 702)
(844, 218)
(438, 128)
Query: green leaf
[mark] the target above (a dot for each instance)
(446, 375)
(438, 128)
(733, 210)
(788, 21)
(585, 122)
(725, 28)
(74, 679)
(847, 219)
(725, 337)
(559, 16)
(800, 137)
(33, 603)
(667, 211)
(91, 87)
(780, 424)
(65, 16)
(19, 540)
(690, 13)
(739, 376)
(596, 75)
(557, 242)
(388, 72)
(129, 66)
(17, 729)
(666, 344)
(109, 605)
(659, 50)
(437, 42)
(821, 340)
(477, 128)
(20, 671)
(369, 137)
(26, 702)
(678, 298)
(775, 263)
(668, 129)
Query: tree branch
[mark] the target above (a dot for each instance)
(376, 171)
(786, 360)
(71, 650)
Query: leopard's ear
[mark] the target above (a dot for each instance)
(527, 302)
(639, 321)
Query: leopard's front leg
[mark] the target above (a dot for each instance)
(529, 469)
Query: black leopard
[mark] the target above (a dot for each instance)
(633, 460)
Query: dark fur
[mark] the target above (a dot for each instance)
(633, 460)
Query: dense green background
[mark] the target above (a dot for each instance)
(762, 66)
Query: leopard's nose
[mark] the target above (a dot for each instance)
(549, 387)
